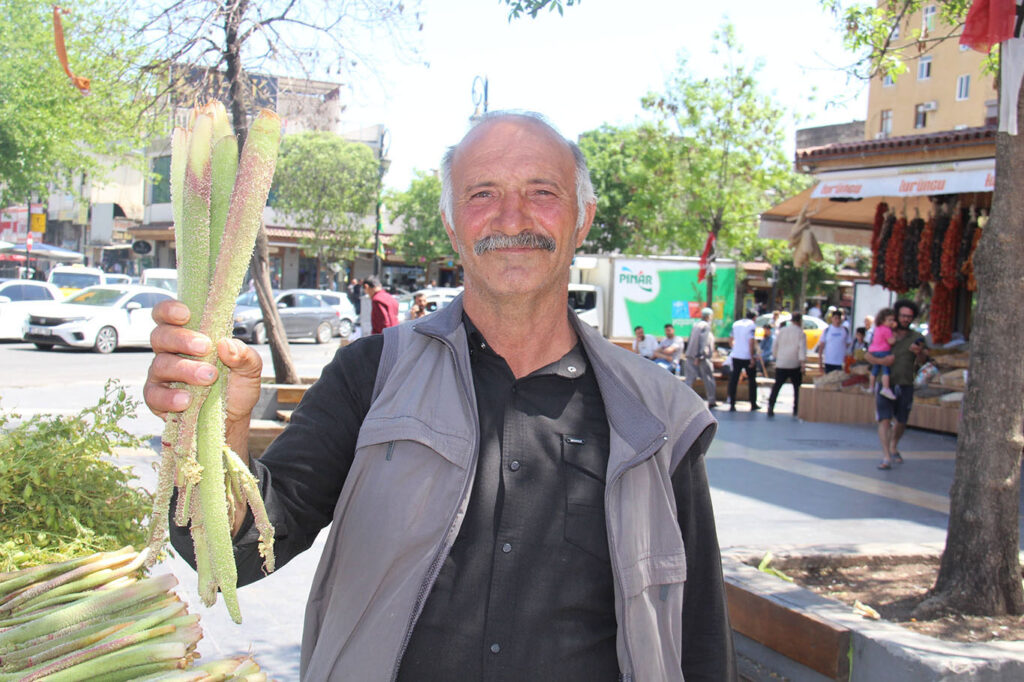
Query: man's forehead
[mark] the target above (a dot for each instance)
(512, 131)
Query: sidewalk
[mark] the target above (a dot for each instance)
(777, 484)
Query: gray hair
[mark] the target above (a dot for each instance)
(584, 187)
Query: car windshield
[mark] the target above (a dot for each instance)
(74, 280)
(248, 298)
(97, 297)
(169, 284)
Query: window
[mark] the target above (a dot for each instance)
(887, 81)
(928, 19)
(920, 116)
(885, 126)
(924, 69)
(963, 87)
(162, 186)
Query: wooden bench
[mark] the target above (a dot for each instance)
(813, 642)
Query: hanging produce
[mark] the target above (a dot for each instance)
(949, 270)
(909, 269)
(878, 267)
(876, 230)
(894, 256)
(940, 321)
(968, 266)
(924, 251)
(942, 219)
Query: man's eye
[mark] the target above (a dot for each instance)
(482, 194)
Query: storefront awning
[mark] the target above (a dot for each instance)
(958, 177)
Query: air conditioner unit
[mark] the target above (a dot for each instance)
(881, 135)
(930, 106)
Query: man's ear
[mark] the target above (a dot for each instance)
(589, 211)
(451, 233)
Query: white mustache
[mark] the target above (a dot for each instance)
(523, 240)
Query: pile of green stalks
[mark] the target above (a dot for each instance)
(217, 201)
(97, 618)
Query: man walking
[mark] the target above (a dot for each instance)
(743, 356)
(699, 350)
(790, 355)
(384, 306)
(908, 353)
(510, 496)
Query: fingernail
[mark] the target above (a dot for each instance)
(180, 401)
(199, 346)
(207, 373)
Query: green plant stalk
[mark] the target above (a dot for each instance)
(26, 577)
(79, 580)
(224, 166)
(243, 481)
(204, 569)
(98, 668)
(105, 602)
(179, 155)
(149, 671)
(31, 657)
(25, 616)
(192, 675)
(193, 237)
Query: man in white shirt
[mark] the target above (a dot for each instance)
(833, 344)
(699, 351)
(669, 350)
(642, 344)
(742, 355)
(790, 355)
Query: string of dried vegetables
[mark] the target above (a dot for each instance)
(924, 251)
(908, 268)
(968, 266)
(878, 271)
(948, 270)
(942, 219)
(894, 256)
(940, 321)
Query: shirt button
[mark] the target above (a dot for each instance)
(514, 465)
(506, 548)
(571, 368)
(495, 648)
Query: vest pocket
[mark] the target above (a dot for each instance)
(384, 432)
(584, 465)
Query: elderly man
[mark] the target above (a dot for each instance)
(512, 496)
(700, 348)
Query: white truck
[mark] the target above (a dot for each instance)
(616, 293)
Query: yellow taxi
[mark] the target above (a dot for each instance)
(813, 327)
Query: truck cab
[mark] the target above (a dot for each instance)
(587, 301)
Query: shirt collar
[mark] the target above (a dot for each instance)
(572, 365)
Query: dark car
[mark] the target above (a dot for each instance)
(303, 316)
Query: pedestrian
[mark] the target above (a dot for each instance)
(908, 353)
(766, 342)
(743, 355)
(643, 344)
(384, 306)
(833, 344)
(670, 350)
(869, 323)
(790, 355)
(418, 308)
(700, 349)
(355, 293)
(510, 496)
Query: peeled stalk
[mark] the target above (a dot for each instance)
(97, 668)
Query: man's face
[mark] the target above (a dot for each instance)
(670, 331)
(419, 300)
(904, 318)
(639, 331)
(514, 177)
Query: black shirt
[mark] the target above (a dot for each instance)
(302, 473)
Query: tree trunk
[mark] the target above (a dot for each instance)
(980, 571)
(280, 351)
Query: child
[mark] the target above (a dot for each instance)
(881, 346)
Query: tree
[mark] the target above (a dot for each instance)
(327, 185)
(637, 174)
(423, 238)
(233, 37)
(49, 131)
(980, 571)
(735, 159)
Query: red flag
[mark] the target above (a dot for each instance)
(988, 22)
(708, 245)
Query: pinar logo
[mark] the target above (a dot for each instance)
(639, 279)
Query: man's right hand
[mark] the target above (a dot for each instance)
(170, 341)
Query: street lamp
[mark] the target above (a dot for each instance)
(479, 97)
(384, 143)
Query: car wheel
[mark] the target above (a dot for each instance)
(323, 332)
(344, 328)
(259, 334)
(106, 340)
(44, 346)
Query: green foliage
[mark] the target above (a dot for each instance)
(517, 8)
(327, 185)
(636, 171)
(49, 132)
(868, 30)
(424, 239)
(734, 163)
(60, 495)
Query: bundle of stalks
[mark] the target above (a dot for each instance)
(97, 618)
(217, 200)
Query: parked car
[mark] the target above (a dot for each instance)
(16, 297)
(165, 278)
(338, 300)
(103, 318)
(437, 298)
(302, 314)
(73, 278)
(813, 327)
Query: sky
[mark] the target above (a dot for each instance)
(590, 67)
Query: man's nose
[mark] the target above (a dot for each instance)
(511, 217)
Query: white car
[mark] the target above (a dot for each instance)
(16, 297)
(102, 317)
(437, 298)
(339, 301)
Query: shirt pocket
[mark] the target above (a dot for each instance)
(584, 466)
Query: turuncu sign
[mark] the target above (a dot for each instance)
(905, 182)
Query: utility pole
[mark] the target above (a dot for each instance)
(383, 143)
(479, 97)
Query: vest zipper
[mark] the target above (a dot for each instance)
(442, 550)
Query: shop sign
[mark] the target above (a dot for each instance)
(907, 184)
